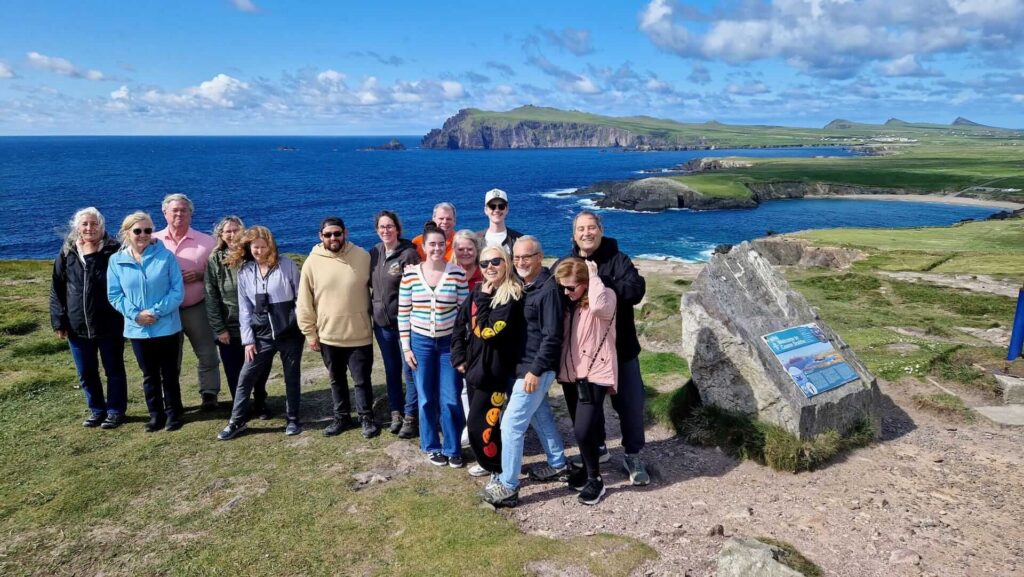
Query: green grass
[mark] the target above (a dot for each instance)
(793, 559)
(716, 185)
(86, 501)
(999, 237)
(945, 405)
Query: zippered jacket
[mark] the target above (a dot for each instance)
(386, 277)
(221, 295)
(541, 350)
(485, 340)
(589, 347)
(78, 293)
(334, 297)
(155, 285)
(280, 286)
(511, 237)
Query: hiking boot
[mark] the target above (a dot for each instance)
(545, 473)
(499, 495)
(396, 422)
(209, 403)
(94, 420)
(577, 479)
(231, 431)
(154, 425)
(173, 424)
(592, 492)
(436, 458)
(338, 426)
(455, 461)
(262, 412)
(602, 457)
(113, 421)
(478, 471)
(369, 427)
(292, 428)
(410, 428)
(637, 472)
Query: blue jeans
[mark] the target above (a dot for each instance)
(523, 410)
(439, 386)
(87, 354)
(394, 369)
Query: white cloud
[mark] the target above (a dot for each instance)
(219, 91)
(331, 77)
(747, 89)
(574, 40)
(62, 66)
(6, 71)
(1018, 98)
(904, 66)
(585, 85)
(120, 94)
(245, 6)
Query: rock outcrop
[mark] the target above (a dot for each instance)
(392, 144)
(712, 164)
(752, 558)
(786, 251)
(735, 301)
(655, 194)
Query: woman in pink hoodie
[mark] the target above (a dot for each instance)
(588, 369)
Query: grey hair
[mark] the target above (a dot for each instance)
(219, 227)
(175, 197)
(467, 235)
(530, 238)
(591, 214)
(81, 213)
(444, 205)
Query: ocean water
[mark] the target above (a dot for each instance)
(289, 183)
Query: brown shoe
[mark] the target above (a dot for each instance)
(396, 422)
(410, 428)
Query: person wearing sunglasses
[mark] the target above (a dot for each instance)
(588, 366)
(428, 303)
(145, 285)
(487, 332)
(81, 313)
(496, 211)
(334, 314)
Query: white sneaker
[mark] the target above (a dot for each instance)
(478, 471)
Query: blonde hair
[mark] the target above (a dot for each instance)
(464, 234)
(511, 288)
(576, 269)
(129, 222)
(241, 252)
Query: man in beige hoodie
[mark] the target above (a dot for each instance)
(334, 313)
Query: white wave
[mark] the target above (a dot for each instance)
(664, 257)
(560, 193)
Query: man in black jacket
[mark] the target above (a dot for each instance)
(536, 364)
(618, 273)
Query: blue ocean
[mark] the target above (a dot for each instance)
(289, 183)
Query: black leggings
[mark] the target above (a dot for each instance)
(588, 424)
(484, 422)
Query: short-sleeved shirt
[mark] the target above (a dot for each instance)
(192, 253)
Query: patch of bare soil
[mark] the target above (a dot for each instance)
(930, 498)
(222, 495)
(975, 283)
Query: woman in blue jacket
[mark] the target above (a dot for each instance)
(144, 284)
(267, 290)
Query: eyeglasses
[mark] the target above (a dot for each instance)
(525, 256)
(138, 231)
(335, 234)
(497, 206)
(568, 288)
(386, 227)
(491, 262)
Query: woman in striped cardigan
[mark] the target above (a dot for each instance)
(428, 303)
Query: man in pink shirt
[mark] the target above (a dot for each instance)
(192, 249)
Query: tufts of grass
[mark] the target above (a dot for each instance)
(674, 407)
(655, 364)
(747, 438)
(790, 557)
(946, 405)
(18, 323)
(39, 348)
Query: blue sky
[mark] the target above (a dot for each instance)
(308, 67)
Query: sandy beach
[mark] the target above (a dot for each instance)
(938, 199)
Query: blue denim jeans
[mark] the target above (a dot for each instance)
(439, 386)
(523, 410)
(395, 369)
(88, 353)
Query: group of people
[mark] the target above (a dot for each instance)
(472, 323)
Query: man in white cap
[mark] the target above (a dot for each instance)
(496, 209)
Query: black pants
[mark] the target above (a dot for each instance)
(158, 359)
(254, 375)
(484, 422)
(628, 402)
(588, 424)
(232, 357)
(358, 360)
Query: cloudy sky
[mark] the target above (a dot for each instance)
(402, 67)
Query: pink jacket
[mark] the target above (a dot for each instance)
(584, 329)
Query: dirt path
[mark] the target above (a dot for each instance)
(929, 499)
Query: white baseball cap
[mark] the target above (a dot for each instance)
(495, 193)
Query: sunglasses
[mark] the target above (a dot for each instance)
(568, 288)
(335, 234)
(491, 262)
(138, 231)
(497, 206)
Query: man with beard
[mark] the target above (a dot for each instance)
(334, 313)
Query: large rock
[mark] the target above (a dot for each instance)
(656, 193)
(752, 558)
(786, 251)
(736, 300)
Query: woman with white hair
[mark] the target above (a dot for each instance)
(80, 313)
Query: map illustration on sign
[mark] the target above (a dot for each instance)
(811, 361)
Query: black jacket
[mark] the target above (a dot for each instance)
(78, 293)
(485, 340)
(618, 273)
(540, 351)
(385, 276)
(511, 237)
